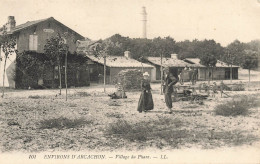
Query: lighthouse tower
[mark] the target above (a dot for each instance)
(144, 20)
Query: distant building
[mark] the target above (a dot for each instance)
(220, 72)
(175, 65)
(114, 64)
(32, 36)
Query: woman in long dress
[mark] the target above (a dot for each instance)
(146, 100)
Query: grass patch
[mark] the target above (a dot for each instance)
(63, 123)
(166, 132)
(72, 105)
(35, 97)
(115, 115)
(239, 105)
(114, 103)
(82, 94)
(190, 106)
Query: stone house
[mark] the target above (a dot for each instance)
(220, 72)
(114, 64)
(32, 36)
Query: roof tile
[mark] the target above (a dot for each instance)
(169, 62)
(119, 61)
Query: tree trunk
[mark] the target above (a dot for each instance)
(205, 74)
(249, 77)
(105, 72)
(231, 73)
(161, 77)
(4, 78)
(60, 78)
(66, 79)
(208, 75)
(53, 76)
(212, 75)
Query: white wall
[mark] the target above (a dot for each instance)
(10, 68)
(153, 74)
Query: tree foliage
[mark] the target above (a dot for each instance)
(142, 47)
(101, 48)
(235, 53)
(55, 48)
(31, 66)
(7, 45)
(250, 60)
(209, 51)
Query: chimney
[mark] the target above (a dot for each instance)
(127, 54)
(10, 24)
(174, 56)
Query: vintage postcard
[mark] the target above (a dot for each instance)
(129, 81)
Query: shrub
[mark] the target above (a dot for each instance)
(144, 131)
(61, 123)
(232, 108)
(119, 127)
(238, 87)
(240, 105)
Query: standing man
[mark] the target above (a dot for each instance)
(169, 81)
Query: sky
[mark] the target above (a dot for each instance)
(221, 20)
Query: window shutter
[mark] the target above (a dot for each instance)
(31, 42)
(35, 42)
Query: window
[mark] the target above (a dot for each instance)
(91, 70)
(56, 72)
(33, 42)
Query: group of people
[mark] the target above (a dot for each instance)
(146, 101)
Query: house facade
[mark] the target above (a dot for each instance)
(221, 71)
(175, 65)
(32, 36)
(114, 64)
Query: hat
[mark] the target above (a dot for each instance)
(146, 74)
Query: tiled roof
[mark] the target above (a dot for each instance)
(31, 23)
(223, 64)
(194, 61)
(27, 24)
(218, 64)
(168, 62)
(119, 61)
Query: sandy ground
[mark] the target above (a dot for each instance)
(21, 116)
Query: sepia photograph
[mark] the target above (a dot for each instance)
(129, 81)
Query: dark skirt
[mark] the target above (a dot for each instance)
(145, 102)
(168, 99)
